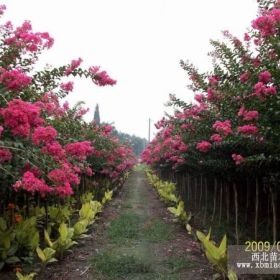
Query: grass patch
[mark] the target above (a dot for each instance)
(115, 266)
(176, 264)
(157, 231)
(126, 226)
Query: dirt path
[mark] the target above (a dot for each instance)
(135, 238)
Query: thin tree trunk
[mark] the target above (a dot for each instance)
(206, 200)
(247, 200)
(221, 203)
(195, 192)
(256, 209)
(214, 202)
(191, 191)
(228, 201)
(200, 196)
(274, 215)
(236, 214)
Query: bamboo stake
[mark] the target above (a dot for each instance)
(236, 213)
(195, 191)
(221, 202)
(214, 202)
(256, 209)
(274, 215)
(206, 200)
(228, 200)
(200, 195)
(247, 199)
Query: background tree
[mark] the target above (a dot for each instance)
(96, 117)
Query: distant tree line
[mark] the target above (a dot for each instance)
(138, 144)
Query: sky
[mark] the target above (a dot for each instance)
(138, 42)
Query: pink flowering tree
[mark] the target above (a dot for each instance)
(46, 146)
(232, 127)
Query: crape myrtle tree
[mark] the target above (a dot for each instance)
(45, 145)
(231, 131)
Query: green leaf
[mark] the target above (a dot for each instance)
(12, 260)
(232, 275)
(47, 239)
(3, 224)
(41, 254)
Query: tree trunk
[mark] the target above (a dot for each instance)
(206, 200)
(256, 209)
(221, 203)
(274, 215)
(214, 202)
(236, 214)
(200, 196)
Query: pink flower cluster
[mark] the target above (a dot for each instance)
(74, 65)
(15, 79)
(248, 115)
(5, 155)
(237, 158)
(244, 77)
(265, 77)
(223, 127)
(203, 146)
(248, 129)
(2, 9)
(23, 37)
(267, 23)
(55, 150)
(261, 90)
(44, 135)
(32, 184)
(101, 78)
(216, 138)
(67, 86)
(79, 150)
(21, 116)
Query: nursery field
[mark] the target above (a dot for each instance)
(77, 201)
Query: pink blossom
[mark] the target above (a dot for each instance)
(203, 146)
(55, 150)
(67, 86)
(64, 190)
(265, 24)
(213, 80)
(101, 78)
(5, 155)
(223, 127)
(248, 115)
(44, 135)
(244, 77)
(2, 9)
(21, 116)
(23, 37)
(199, 97)
(79, 150)
(74, 65)
(66, 105)
(237, 158)
(15, 79)
(107, 129)
(247, 37)
(216, 138)
(32, 184)
(247, 129)
(58, 176)
(89, 171)
(265, 77)
(251, 116)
